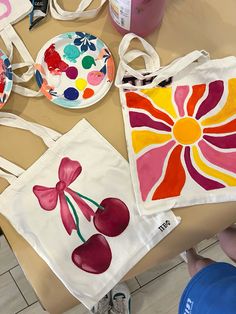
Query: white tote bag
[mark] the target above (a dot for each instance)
(180, 128)
(76, 208)
(12, 12)
(81, 12)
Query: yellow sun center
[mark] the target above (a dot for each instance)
(187, 131)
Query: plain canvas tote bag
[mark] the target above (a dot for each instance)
(75, 206)
(180, 127)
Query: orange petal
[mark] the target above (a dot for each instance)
(174, 179)
(198, 91)
(226, 128)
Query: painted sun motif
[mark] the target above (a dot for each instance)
(184, 131)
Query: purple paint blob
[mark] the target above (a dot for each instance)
(71, 93)
(72, 73)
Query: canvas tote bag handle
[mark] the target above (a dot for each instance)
(58, 13)
(13, 171)
(11, 38)
(48, 135)
(152, 63)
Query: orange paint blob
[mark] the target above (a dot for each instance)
(88, 92)
(187, 131)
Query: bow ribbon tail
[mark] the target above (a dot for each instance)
(66, 216)
(84, 207)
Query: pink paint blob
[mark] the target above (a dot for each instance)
(95, 77)
(72, 73)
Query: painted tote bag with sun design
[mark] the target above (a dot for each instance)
(180, 123)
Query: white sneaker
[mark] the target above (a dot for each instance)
(103, 306)
(120, 298)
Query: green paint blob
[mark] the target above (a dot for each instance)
(87, 62)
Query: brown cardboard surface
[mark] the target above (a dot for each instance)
(187, 25)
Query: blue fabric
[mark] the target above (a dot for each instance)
(211, 291)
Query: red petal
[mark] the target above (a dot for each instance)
(174, 179)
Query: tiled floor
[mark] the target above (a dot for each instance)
(150, 290)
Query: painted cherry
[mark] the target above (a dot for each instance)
(94, 256)
(113, 219)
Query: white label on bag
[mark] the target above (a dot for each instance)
(121, 12)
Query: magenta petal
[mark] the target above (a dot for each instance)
(181, 94)
(66, 216)
(227, 141)
(47, 197)
(206, 183)
(216, 90)
(225, 160)
(84, 207)
(69, 170)
(138, 119)
(150, 167)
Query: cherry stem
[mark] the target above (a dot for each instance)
(90, 200)
(76, 219)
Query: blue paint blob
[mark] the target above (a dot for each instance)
(71, 93)
(39, 78)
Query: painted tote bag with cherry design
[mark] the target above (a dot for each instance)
(75, 206)
(180, 128)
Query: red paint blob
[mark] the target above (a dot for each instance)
(88, 92)
(54, 62)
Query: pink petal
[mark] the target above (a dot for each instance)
(66, 216)
(84, 207)
(47, 197)
(150, 167)
(69, 170)
(225, 160)
(181, 94)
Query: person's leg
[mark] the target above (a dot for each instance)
(196, 262)
(227, 239)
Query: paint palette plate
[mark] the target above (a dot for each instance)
(74, 70)
(5, 78)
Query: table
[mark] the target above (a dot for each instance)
(187, 25)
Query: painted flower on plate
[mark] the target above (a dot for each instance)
(84, 41)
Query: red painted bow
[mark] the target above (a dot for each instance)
(68, 172)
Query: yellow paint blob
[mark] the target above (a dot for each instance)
(81, 84)
(187, 131)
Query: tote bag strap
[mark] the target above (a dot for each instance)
(11, 38)
(48, 135)
(152, 63)
(58, 13)
(7, 176)
(13, 171)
